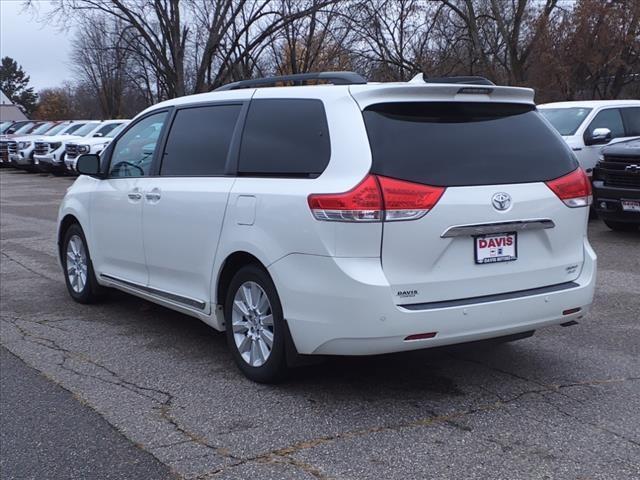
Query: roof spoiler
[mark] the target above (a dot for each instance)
(467, 80)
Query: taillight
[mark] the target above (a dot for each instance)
(360, 204)
(574, 189)
(374, 199)
(407, 200)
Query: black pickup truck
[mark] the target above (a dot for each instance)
(616, 186)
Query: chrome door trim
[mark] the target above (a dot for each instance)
(184, 301)
(497, 227)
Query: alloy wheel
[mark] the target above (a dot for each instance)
(252, 323)
(77, 264)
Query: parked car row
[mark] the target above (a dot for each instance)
(53, 146)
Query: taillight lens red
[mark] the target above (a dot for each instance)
(376, 198)
(574, 189)
(360, 204)
(407, 200)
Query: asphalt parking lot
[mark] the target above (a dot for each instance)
(562, 404)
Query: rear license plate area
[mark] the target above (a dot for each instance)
(496, 248)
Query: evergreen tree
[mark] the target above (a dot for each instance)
(14, 82)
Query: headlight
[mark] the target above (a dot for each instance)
(55, 146)
(83, 148)
(23, 145)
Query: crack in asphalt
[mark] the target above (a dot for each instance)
(26, 267)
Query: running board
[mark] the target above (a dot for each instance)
(490, 298)
(179, 299)
(497, 227)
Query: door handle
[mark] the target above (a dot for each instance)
(153, 195)
(134, 195)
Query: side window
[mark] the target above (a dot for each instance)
(287, 137)
(198, 142)
(609, 118)
(133, 153)
(631, 116)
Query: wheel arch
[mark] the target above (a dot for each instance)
(231, 264)
(68, 220)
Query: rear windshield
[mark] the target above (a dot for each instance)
(462, 144)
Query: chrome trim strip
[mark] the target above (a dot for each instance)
(497, 227)
(186, 301)
(491, 298)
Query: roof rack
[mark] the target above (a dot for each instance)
(335, 78)
(468, 80)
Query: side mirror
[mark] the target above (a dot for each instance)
(97, 134)
(88, 164)
(599, 136)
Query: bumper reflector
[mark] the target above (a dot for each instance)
(420, 336)
(571, 310)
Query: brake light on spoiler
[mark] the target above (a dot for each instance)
(574, 189)
(374, 199)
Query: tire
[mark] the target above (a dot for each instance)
(82, 288)
(254, 324)
(621, 226)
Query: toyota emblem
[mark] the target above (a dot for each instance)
(501, 201)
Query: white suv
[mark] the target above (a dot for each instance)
(588, 126)
(347, 219)
(95, 145)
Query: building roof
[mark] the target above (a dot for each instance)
(9, 111)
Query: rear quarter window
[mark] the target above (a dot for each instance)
(285, 138)
(464, 143)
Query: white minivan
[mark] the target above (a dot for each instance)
(588, 126)
(351, 218)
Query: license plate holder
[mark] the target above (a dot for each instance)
(495, 248)
(630, 205)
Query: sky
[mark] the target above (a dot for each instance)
(42, 50)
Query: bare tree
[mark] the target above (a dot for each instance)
(101, 56)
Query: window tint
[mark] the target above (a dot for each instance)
(609, 118)
(458, 144)
(285, 138)
(198, 142)
(632, 121)
(133, 152)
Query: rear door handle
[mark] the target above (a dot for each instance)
(153, 195)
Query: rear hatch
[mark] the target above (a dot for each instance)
(511, 215)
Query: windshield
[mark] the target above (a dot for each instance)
(72, 128)
(57, 129)
(42, 129)
(116, 131)
(88, 128)
(24, 129)
(565, 120)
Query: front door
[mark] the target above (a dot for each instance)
(116, 219)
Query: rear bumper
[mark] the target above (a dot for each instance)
(344, 306)
(606, 201)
